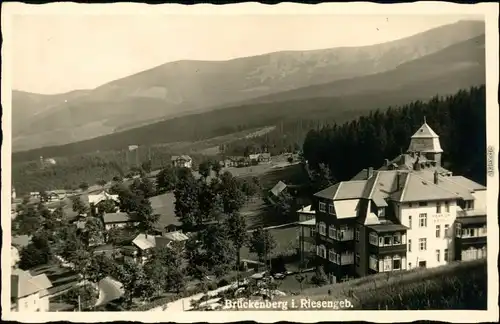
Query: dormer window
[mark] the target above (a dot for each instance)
(381, 212)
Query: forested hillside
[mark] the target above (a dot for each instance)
(459, 120)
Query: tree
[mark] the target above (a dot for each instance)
(146, 166)
(187, 204)
(106, 206)
(290, 159)
(84, 297)
(28, 220)
(78, 206)
(84, 186)
(133, 278)
(94, 229)
(262, 243)
(143, 187)
(117, 178)
(167, 179)
(216, 167)
(237, 232)
(219, 253)
(37, 252)
(44, 197)
(319, 278)
(101, 182)
(284, 203)
(205, 168)
(232, 196)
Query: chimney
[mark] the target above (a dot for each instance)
(369, 173)
(436, 177)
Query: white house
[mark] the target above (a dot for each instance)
(183, 161)
(410, 213)
(119, 220)
(29, 293)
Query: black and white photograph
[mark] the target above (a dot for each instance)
(249, 161)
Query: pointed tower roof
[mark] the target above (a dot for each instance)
(425, 131)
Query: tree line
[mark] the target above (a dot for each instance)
(459, 120)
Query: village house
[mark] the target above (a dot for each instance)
(145, 244)
(264, 157)
(119, 220)
(94, 201)
(183, 161)
(410, 213)
(29, 293)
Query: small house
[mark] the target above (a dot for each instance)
(183, 161)
(264, 157)
(119, 220)
(29, 293)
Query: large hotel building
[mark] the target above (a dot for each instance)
(410, 213)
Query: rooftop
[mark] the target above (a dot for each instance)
(23, 284)
(278, 188)
(119, 217)
(470, 220)
(388, 227)
(306, 210)
(425, 131)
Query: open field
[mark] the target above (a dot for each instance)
(460, 285)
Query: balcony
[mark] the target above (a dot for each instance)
(395, 243)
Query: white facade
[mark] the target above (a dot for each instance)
(32, 303)
(426, 238)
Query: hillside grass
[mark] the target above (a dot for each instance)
(461, 285)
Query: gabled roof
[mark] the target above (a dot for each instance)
(176, 236)
(278, 188)
(343, 190)
(23, 284)
(418, 189)
(306, 210)
(101, 196)
(425, 131)
(109, 290)
(119, 217)
(467, 183)
(144, 242)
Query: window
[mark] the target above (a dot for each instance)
(438, 256)
(458, 230)
(447, 206)
(322, 207)
(322, 251)
(332, 232)
(396, 262)
(387, 263)
(446, 230)
(397, 238)
(438, 230)
(357, 234)
(445, 256)
(422, 203)
(331, 211)
(466, 232)
(387, 240)
(438, 208)
(422, 220)
(410, 205)
(409, 221)
(409, 245)
(422, 243)
(358, 259)
(331, 255)
(373, 263)
(322, 228)
(373, 238)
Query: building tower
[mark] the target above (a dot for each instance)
(425, 142)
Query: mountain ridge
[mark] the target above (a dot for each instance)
(177, 88)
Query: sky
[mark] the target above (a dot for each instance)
(60, 53)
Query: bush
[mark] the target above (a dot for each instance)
(319, 278)
(223, 282)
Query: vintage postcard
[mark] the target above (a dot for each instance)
(250, 162)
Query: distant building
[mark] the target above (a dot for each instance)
(146, 243)
(264, 157)
(278, 188)
(410, 213)
(183, 161)
(95, 199)
(47, 162)
(119, 220)
(29, 293)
